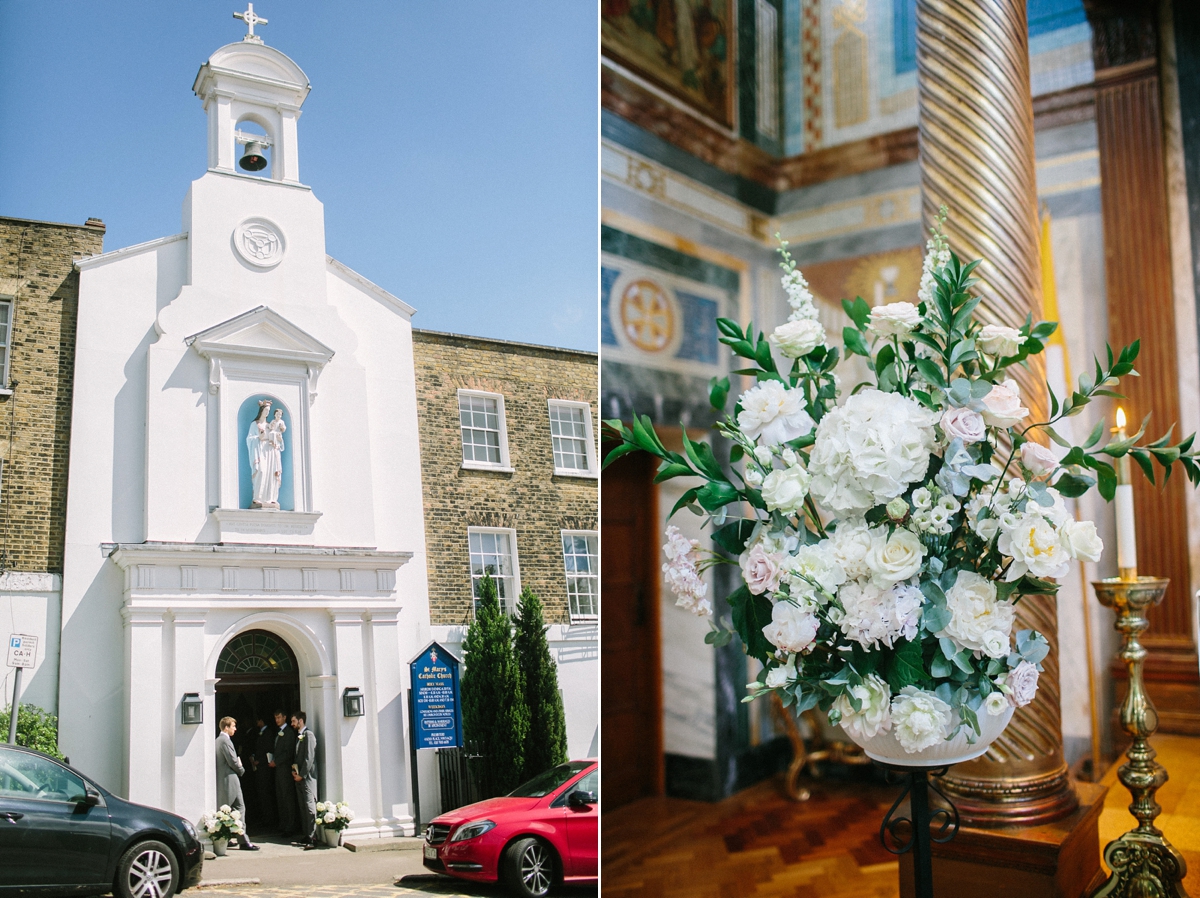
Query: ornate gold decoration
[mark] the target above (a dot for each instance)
(646, 316)
(1143, 863)
(836, 752)
(975, 121)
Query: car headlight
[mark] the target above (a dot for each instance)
(472, 830)
(189, 829)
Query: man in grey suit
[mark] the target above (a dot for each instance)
(285, 786)
(229, 787)
(304, 772)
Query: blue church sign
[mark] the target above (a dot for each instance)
(437, 718)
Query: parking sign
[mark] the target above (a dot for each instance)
(22, 650)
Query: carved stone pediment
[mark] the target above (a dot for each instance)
(263, 336)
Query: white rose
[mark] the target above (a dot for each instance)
(814, 565)
(773, 413)
(1080, 540)
(975, 613)
(874, 695)
(996, 339)
(760, 570)
(1002, 405)
(849, 546)
(796, 339)
(995, 704)
(1034, 545)
(1022, 680)
(963, 424)
(920, 718)
(782, 675)
(785, 490)
(869, 450)
(896, 557)
(1038, 459)
(895, 319)
(792, 628)
(329, 817)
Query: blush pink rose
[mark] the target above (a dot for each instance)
(1002, 405)
(761, 571)
(963, 424)
(1038, 459)
(1023, 681)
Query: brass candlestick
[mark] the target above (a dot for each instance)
(1143, 863)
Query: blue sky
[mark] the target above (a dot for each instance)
(454, 144)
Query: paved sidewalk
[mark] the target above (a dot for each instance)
(414, 885)
(278, 865)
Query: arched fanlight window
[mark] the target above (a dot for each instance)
(256, 652)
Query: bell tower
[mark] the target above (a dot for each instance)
(249, 82)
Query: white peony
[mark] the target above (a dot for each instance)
(963, 424)
(1080, 540)
(977, 620)
(995, 704)
(849, 546)
(773, 414)
(874, 695)
(1038, 459)
(896, 557)
(895, 319)
(874, 615)
(1022, 682)
(796, 339)
(813, 566)
(920, 718)
(792, 628)
(761, 569)
(1002, 405)
(785, 490)
(996, 339)
(682, 575)
(869, 450)
(1034, 545)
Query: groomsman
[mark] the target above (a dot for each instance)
(304, 773)
(229, 787)
(285, 787)
(264, 776)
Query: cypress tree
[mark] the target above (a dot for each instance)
(495, 718)
(546, 744)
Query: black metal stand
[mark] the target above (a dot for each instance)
(920, 834)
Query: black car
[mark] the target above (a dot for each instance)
(61, 834)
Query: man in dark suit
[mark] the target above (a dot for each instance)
(285, 787)
(229, 787)
(304, 773)
(264, 776)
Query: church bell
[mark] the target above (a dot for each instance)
(254, 158)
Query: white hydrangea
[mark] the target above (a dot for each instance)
(869, 450)
(773, 414)
(792, 628)
(682, 575)
(874, 615)
(920, 718)
(874, 696)
(978, 621)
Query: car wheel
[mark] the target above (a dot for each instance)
(529, 866)
(147, 870)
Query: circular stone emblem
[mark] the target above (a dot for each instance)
(646, 316)
(258, 242)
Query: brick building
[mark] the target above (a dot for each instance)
(509, 465)
(39, 299)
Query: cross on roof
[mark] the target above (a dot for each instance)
(251, 20)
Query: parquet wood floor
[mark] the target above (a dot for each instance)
(756, 843)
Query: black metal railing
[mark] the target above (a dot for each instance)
(463, 777)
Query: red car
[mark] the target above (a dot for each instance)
(542, 833)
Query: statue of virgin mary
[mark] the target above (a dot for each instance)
(264, 446)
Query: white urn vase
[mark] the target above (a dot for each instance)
(886, 748)
(332, 836)
(219, 846)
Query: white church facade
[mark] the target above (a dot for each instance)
(214, 560)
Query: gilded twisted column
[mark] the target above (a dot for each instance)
(976, 152)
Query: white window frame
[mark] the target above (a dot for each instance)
(566, 574)
(510, 601)
(9, 299)
(504, 464)
(592, 471)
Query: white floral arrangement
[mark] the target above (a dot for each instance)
(225, 823)
(884, 541)
(334, 815)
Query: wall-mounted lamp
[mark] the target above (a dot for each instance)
(191, 709)
(352, 702)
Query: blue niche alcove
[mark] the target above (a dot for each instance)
(246, 415)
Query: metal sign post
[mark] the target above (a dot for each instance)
(434, 715)
(22, 653)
